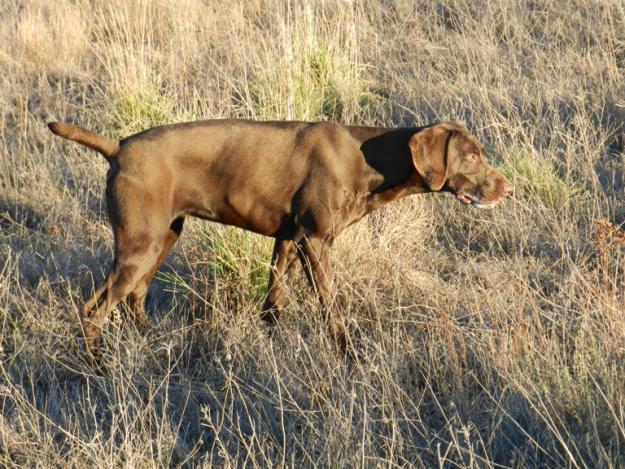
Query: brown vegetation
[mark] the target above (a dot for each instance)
(488, 338)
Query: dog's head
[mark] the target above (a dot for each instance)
(448, 157)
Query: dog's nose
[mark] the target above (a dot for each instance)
(507, 188)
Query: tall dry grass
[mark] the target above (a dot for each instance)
(489, 339)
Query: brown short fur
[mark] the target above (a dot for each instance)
(301, 183)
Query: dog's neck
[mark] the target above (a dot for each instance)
(392, 172)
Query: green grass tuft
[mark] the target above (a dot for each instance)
(317, 83)
(139, 107)
(238, 257)
(538, 179)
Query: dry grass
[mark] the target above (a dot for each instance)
(489, 339)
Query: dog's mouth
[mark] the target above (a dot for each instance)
(475, 201)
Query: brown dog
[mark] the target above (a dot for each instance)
(301, 183)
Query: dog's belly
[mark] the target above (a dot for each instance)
(257, 218)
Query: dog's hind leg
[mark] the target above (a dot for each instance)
(136, 298)
(137, 255)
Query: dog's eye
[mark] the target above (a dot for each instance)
(472, 158)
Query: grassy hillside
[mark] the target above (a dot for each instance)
(489, 338)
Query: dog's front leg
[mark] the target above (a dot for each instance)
(313, 254)
(284, 254)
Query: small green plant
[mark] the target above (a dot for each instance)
(139, 107)
(234, 258)
(239, 256)
(315, 82)
(538, 179)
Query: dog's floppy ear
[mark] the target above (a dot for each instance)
(429, 154)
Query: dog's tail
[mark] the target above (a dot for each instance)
(107, 146)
